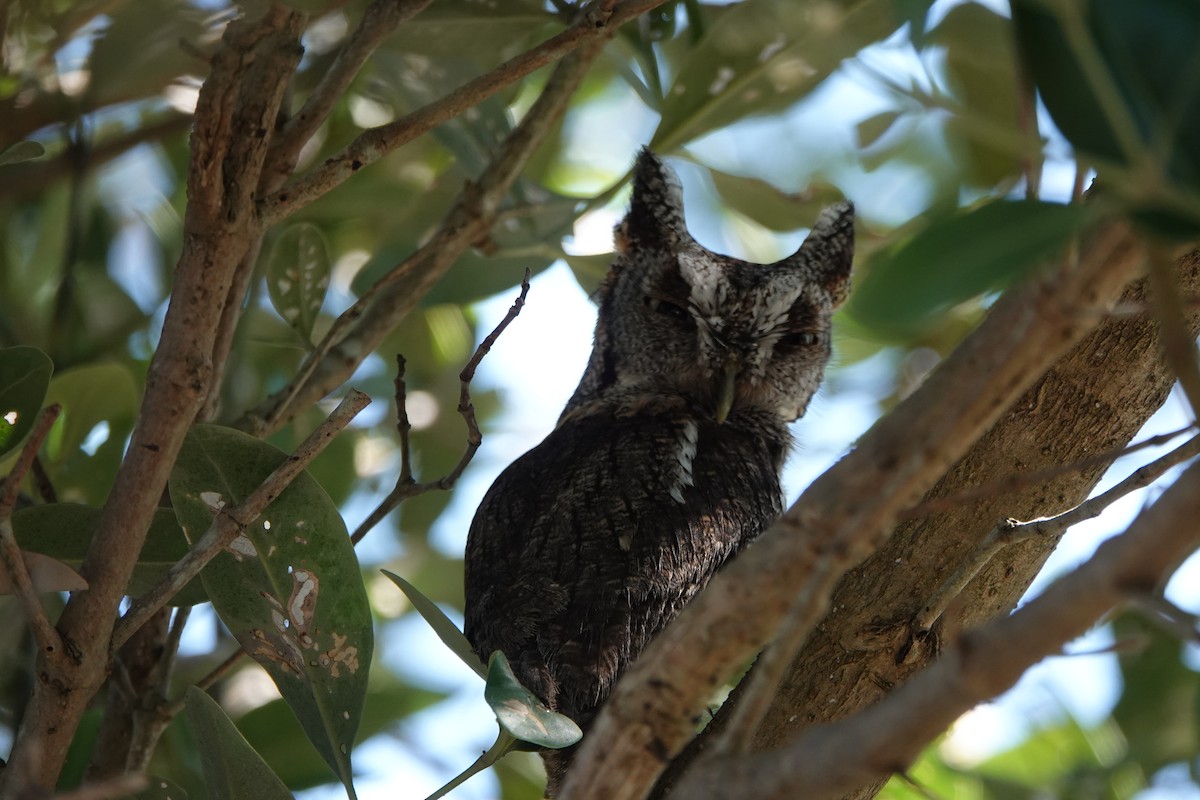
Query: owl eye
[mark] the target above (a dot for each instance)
(799, 339)
(669, 309)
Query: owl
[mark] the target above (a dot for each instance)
(665, 462)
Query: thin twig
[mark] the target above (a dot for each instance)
(42, 482)
(1173, 619)
(44, 632)
(1010, 531)
(230, 521)
(375, 143)
(1021, 480)
(406, 487)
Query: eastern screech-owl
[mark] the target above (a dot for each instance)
(666, 460)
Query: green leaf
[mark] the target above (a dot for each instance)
(21, 151)
(159, 789)
(1120, 80)
(770, 206)
(521, 714)
(959, 258)
(90, 395)
(232, 770)
(45, 574)
(24, 376)
(272, 730)
(764, 56)
(442, 625)
(298, 276)
(980, 68)
(64, 531)
(872, 129)
(590, 271)
(289, 587)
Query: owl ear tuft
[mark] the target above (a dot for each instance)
(828, 251)
(655, 217)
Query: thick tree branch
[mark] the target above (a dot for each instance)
(829, 760)
(237, 106)
(841, 518)
(594, 25)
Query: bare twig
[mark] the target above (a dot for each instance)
(42, 482)
(828, 761)
(406, 486)
(44, 632)
(120, 786)
(1010, 531)
(373, 144)
(230, 521)
(1021, 480)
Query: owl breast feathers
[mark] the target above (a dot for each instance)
(665, 461)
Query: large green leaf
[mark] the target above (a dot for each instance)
(770, 206)
(271, 729)
(958, 258)
(519, 711)
(64, 531)
(298, 276)
(289, 587)
(1121, 81)
(763, 57)
(24, 376)
(232, 770)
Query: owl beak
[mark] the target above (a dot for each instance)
(728, 387)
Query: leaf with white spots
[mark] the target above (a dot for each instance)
(24, 378)
(161, 789)
(519, 711)
(232, 770)
(298, 276)
(764, 56)
(288, 587)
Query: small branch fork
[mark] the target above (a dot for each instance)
(406, 486)
(1011, 531)
(227, 524)
(44, 633)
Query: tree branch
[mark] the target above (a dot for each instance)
(826, 761)
(378, 22)
(361, 327)
(371, 145)
(239, 101)
(1010, 531)
(840, 519)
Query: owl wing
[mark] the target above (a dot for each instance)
(587, 545)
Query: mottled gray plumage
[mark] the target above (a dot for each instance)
(666, 460)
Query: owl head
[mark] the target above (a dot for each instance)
(723, 335)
